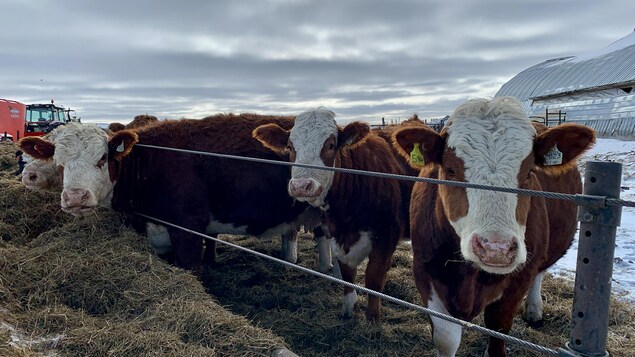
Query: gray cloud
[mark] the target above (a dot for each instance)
(111, 60)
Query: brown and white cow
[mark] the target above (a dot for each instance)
(478, 250)
(362, 213)
(205, 194)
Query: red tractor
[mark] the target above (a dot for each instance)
(18, 120)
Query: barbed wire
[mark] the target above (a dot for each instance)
(462, 323)
(580, 199)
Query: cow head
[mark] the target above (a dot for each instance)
(492, 143)
(85, 157)
(41, 174)
(315, 139)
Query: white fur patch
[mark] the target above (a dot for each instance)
(308, 135)
(492, 138)
(159, 238)
(447, 335)
(533, 304)
(357, 252)
(348, 307)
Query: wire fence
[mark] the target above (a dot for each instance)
(580, 199)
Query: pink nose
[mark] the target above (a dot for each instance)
(495, 250)
(76, 197)
(304, 187)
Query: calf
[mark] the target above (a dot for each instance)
(210, 195)
(476, 250)
(362, 213)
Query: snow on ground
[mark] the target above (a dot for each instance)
(624, 262)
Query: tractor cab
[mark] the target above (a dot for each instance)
(43, 118)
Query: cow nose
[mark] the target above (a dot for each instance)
(32, 177)
(76, 197)
(495, 250)
(304, 187)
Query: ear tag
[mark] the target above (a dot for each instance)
(351, 140)
(120, 147)
(553, 157)
(416, 156)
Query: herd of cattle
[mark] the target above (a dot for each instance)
(474, 251)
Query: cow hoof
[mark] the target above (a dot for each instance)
(535, 324)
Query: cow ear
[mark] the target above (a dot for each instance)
(272, 137)
(37, 147)
(121, 143)
(353, 134)
(556, 149)
(419, 145)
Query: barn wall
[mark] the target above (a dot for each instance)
(611, 112)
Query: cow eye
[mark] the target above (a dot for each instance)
(101, 161)
(450, 172)
(331, 146)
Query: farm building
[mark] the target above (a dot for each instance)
(593, 88)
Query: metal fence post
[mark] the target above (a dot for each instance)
(596, 247)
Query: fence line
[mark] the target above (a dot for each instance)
(580, 199)
(464, 324)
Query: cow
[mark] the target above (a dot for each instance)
(42, 173)
(362, 214)
(478, 251)
(209, 195)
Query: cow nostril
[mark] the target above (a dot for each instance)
(32, 177)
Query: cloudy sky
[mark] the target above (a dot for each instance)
(111, 60)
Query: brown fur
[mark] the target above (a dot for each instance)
(185, 189)
(364, 203)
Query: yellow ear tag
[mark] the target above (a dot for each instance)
(416, 156)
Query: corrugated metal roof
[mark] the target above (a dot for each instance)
(610, 66)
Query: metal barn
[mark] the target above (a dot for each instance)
(593, 88)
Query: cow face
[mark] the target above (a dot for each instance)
(41, 174)
(493, 143)
(83, 153)
(315, 140)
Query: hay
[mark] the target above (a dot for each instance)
(92, 287)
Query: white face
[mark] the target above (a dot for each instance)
(492, 139)
(313, 141)
(82, 150)
(41, 174)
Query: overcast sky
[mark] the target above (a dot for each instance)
(111, 60)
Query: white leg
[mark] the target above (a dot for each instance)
(349, 304)
(446, 335)
(289, 249)
(324, 249)
(158, 237)
(533, 303)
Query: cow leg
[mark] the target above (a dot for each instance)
(188, 250)
(445, 334)
(324, 249)
(533, 304)
(209, 257)
(376, 270)
(350, 294)
(289, 250)
(499, 316)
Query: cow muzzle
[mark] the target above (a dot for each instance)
(304, 187)
(77, 201)
(32, 179)
(495, 251)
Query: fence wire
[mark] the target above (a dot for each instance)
(462, 323)
(580, 199)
